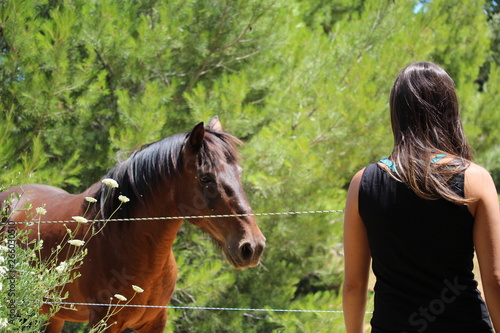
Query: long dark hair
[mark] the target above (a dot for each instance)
(425, 119)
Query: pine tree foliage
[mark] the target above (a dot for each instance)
(305, 84)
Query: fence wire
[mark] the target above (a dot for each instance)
(165, 218)
(197, 307)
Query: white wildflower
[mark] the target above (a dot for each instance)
(76, 242)
(41, 210)
(123, 198)
(3, 270)
(110, 182)
(62, 267)
(1, 286)
(137, 289)
(2, 259)
(4, 248)
(80, 219)
(4, 322)
(120, 297)
(90, 199)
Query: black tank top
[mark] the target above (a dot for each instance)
(422, 256)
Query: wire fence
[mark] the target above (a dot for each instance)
(197, 307)
(165, 218)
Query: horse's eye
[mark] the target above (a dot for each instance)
(205, 178)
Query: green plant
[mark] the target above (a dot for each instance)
(29, 280)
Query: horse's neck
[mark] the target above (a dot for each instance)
(144, 242)
(91, 191)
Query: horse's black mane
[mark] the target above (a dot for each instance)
(156, 164)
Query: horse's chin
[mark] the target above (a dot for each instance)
(240, 263)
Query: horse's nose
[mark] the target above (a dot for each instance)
(250, 252)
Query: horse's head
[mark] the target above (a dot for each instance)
(212, 186)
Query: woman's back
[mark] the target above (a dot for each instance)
(422, 252)
(421, 222)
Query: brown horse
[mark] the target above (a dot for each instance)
(190, 174)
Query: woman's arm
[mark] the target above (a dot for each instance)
(486, 211)
(356, 262)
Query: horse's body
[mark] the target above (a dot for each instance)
(192, 174)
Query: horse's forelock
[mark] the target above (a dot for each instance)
(219, 146)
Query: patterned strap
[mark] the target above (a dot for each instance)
(392, 165)
(389, 163)
(437, 158)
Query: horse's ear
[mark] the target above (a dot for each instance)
(196, 136)
(214, 124)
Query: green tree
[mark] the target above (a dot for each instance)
(86, 79)
(305, 84)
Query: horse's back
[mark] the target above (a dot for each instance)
(24, 199)
(31, 190)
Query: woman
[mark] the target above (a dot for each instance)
(419, 215)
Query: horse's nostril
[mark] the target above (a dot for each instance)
(246, 251)
(259, 248)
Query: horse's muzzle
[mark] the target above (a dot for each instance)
(247, 254)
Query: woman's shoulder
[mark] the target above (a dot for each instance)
(369, 169)
(364, 172)
(356, 179)
(476, 174)
(479, 186)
